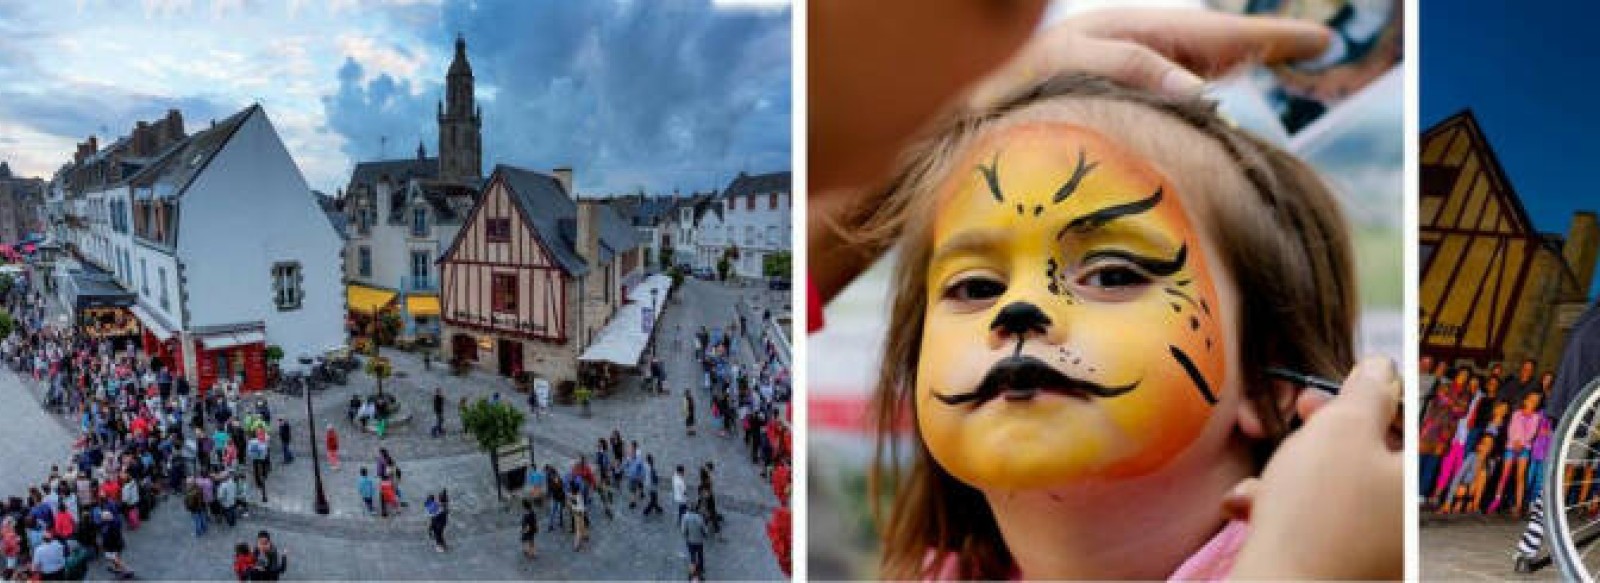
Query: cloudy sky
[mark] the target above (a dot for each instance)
(633, 94)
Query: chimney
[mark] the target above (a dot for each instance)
(142, 144)
(564, 176)
(94, 145)
(588, 242)
(174, 126)
(1582, 247)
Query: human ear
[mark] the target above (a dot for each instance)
(1254, 420)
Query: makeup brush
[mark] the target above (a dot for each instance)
(1304, 380)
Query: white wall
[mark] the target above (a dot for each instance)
(250, 209)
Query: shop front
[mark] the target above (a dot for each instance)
(373, 315)
(159, 340)
(238, 356)
(422, 311)
(101, 309)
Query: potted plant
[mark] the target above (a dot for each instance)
(564, 392)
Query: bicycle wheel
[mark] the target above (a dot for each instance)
(1572, 494)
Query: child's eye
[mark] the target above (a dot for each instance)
(975, 289)
(1113, 277)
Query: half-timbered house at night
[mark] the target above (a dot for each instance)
(1493, 288)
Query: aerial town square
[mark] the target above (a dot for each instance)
(410, 290)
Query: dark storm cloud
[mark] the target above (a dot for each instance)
(651, 95)
(379, 118)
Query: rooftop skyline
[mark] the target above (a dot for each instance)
(633, 96)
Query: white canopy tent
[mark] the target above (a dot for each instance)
(623, 340)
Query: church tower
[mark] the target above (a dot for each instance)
(460, 120)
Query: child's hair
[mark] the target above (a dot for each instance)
(1275, 225)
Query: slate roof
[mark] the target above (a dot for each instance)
(552, 214)
(770, 182)
(177, 166)
(399, 170)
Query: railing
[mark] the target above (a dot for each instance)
(419, 284)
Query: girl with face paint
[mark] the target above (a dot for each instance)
(1092, 282)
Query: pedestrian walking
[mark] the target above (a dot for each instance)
(388, 498)
(269, 562)
(558, 496)
(112, 543)
(580, 518)
(194, 501)
(652, 485)
(530, 530)
(438, 412)
(436, 515)
(368, 489)
(332, 446)
(285, 433)
(694, 537)
(688, 412)
(680, 491)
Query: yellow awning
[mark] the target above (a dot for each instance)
(367, 299)
(422, 305)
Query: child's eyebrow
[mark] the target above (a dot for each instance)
(970, 241)
(1096, 219)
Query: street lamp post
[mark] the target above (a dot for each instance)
(655, 314)
(321, 505)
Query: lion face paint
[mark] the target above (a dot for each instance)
(1071, 330)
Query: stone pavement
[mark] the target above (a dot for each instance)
(1465, 548)
(31, 440)
(351, 544)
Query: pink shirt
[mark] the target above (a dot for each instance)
(1213, 562)
(1523, 426)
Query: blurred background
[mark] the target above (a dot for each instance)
(1343, 114)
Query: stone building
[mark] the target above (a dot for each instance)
(21, 205)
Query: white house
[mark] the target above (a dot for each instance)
(223, 248)
(755, 220)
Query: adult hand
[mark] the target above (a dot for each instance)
(1160, 49)
(1330, 503)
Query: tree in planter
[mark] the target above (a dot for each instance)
(379, 368)
(493, 425)
(274, 354)
(583, 394)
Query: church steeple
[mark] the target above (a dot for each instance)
(460, 123)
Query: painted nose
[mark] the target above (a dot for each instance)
(1019, 319)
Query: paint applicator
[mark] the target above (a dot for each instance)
(1304, 380)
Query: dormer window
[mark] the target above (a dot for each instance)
(419, 222)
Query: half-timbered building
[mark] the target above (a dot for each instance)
(1493, 288)
(533, 274)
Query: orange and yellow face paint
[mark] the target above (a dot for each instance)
(1058, 217)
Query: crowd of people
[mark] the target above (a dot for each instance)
(1484, 438)
(141, 436)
